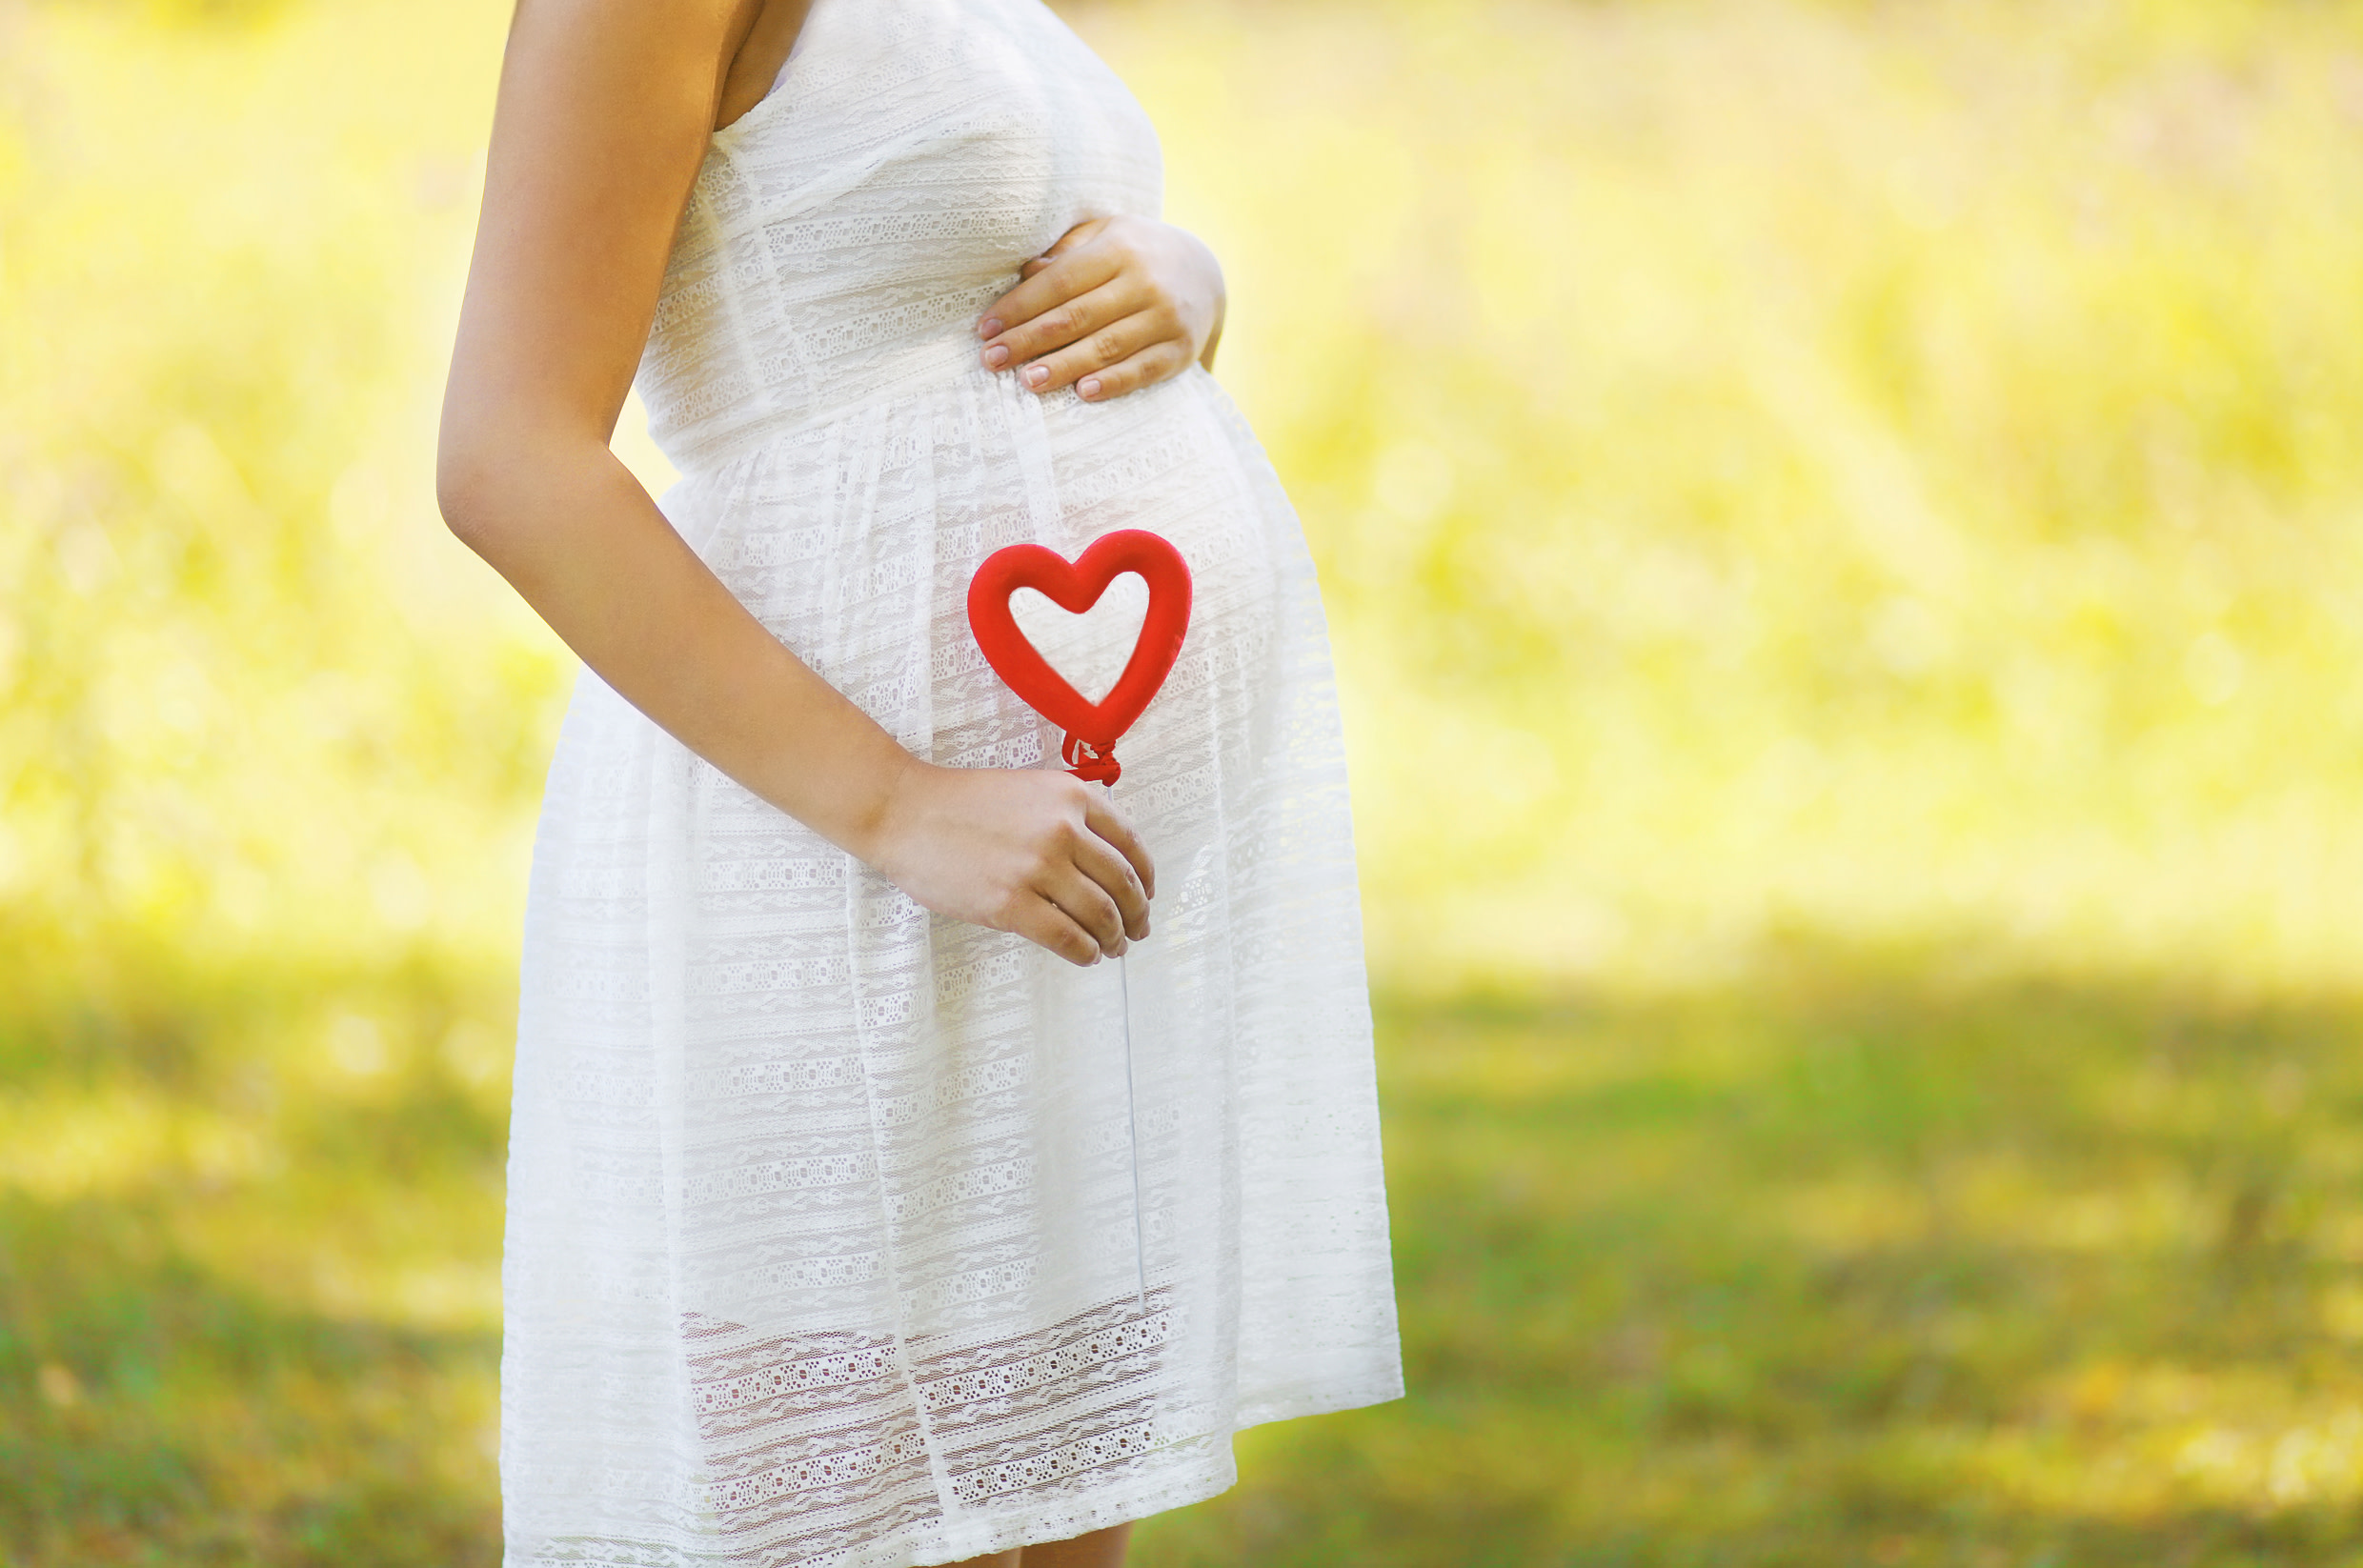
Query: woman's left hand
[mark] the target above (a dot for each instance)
(1117, 305)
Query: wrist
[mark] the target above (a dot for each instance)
(880, 821)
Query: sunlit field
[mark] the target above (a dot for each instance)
(1843, 530)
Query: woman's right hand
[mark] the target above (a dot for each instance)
(1037, 854)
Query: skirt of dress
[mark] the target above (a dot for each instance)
(843, 1233)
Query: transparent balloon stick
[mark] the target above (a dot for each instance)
(1132, 1122)
(1091, 727)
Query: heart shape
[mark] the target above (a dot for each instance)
(1091, 727)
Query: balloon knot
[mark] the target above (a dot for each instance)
(1087, 762)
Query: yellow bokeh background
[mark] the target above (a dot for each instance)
(1843, 526)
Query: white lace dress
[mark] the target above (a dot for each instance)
(824, 1245)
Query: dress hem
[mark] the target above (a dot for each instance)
(1208, 1481)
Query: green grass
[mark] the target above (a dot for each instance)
(164, 1413)
(1888, 1260)
(1861, 1267)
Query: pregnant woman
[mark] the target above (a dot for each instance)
(882, 1191)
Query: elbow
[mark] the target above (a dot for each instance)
(492, 485)
(501, 483)
(465, 489)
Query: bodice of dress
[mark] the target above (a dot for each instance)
(844, 234)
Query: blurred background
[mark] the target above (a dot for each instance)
(1842, 526)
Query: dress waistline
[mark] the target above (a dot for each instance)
(759, 424)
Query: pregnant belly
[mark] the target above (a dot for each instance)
(837, 533)
(854, 540)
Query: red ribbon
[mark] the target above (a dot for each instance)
(1088, 765)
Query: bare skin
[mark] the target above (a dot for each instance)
(603, 117)
(1101, 1549)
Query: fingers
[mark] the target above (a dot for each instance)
(1159, 361)
(1085, 898)
(1067, 278)
(1110, 825)
(1082, 900)
(1070, 322)
(1114, 874)
(1103, 882)
(1132, 351)
(1082, 233)
(1045, 924)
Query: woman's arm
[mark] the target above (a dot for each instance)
(603, 117)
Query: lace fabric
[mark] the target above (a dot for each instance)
(824, 1245)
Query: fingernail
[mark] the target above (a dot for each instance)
(989, 326)
(996, 356)
(1036, 375)
(1090, 387)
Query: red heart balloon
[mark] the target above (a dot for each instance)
(1091, 727)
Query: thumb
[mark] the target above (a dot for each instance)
(1068, 241)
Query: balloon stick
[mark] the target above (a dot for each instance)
(1091, 727)
(1132, 1131)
